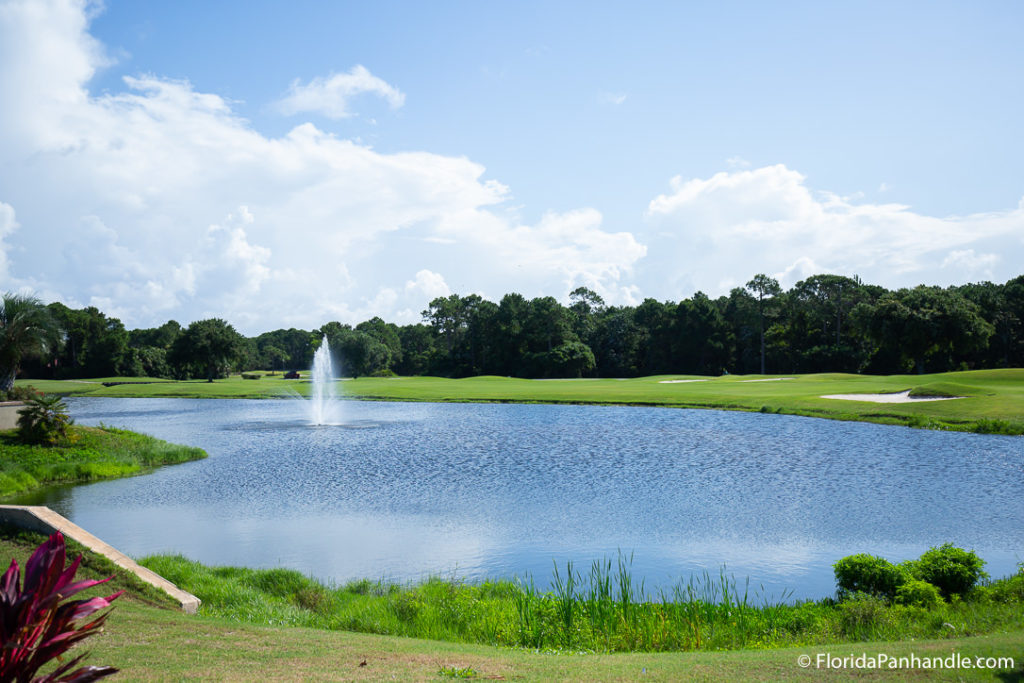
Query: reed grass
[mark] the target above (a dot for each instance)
(604, 610)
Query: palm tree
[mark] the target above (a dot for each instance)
(26, 329)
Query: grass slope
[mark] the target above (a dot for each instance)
(149, 642)
(599, 611)
(993, 399)
(88, 454)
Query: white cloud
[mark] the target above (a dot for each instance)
(116, 195)
(330, 96)
(427, 285)
(570, 243)
(8, 224)
(769, 220)
(974, 265)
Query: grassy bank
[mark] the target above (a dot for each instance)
(993, 400)
(150, 641)
(88, 454)
(599, 610)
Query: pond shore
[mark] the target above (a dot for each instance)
(89, 454)
(992, 400)
(143, 631)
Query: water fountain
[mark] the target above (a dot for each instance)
(323, 404)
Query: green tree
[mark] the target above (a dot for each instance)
(386, 334)
(586, 306)
(765, 288)
(358, 353)
(704, 344)
(157, 337)
(297, 346)
(27, 329)
(571, 359)
(417, 349)
(94, 345)
(510, 332)
(207, 348)
(925, 329)
(617, 347)
(656, 323)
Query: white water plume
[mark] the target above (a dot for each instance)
(323, 403)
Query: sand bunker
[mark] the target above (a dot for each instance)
(770, 379)
(901, 397)
(679, 381)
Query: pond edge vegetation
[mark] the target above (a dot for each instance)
(606, 609)
(48, 449)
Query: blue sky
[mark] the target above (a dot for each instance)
(291, 164)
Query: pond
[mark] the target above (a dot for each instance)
(402, 491)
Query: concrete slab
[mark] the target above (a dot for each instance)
(44, 520)
(9, 414)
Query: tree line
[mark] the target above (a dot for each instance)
(825, 323)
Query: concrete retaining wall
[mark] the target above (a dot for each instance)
(9, 414)
(44, 520)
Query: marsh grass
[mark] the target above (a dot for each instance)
(603, 610)
(88, 454)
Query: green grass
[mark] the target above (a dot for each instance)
(601, 610)
(993, 399)
(152, 642)
(88, 454)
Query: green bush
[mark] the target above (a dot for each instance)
(863, 615)
(868, 574)
(19, 394)
(917, 593)
(251, 375)
(952, 570)
(1008, 590)
(43, 420)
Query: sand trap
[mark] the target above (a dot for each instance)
(901, 397)
(679, 381)
(770, 379)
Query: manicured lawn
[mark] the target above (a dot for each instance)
(993, 399)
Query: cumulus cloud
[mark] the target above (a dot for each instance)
(769, 220)
(427, 285)
(159, 201)
(332, 95)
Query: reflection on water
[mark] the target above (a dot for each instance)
(406, 490)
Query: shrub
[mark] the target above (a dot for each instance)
(863, 615)
(44, 419)
(37, 625)
(864, 573)
(917, 593)
(994, 426)
(251, 375)
(19, 394)
(952, 570)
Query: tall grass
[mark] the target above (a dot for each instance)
(604, 610)
(88, 454)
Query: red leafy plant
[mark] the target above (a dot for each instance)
(38, 623)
